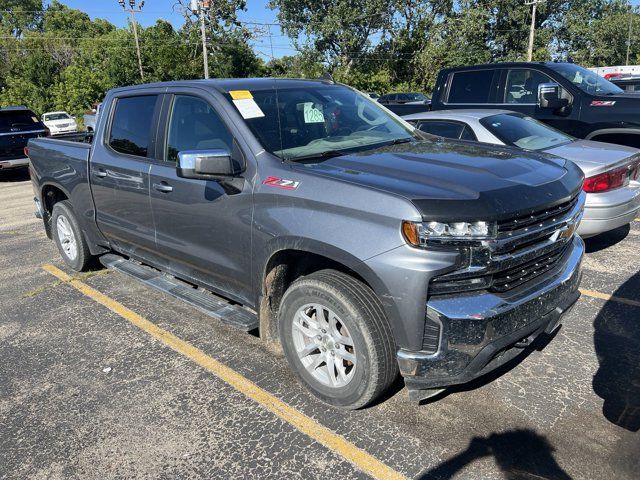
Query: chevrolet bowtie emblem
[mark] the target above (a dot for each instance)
(566, 231)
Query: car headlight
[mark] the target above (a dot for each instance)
(420, 234)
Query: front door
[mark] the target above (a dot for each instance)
(520, 92)
(203, 228)
(120, 175)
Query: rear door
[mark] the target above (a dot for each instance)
(470, 88)
(119, 173)
(203, 227)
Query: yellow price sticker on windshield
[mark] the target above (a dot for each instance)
(240, 94)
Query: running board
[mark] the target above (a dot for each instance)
(206, 302)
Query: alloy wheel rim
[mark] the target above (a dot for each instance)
(324, 345)
(67, 238)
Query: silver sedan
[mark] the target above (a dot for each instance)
(612, 178)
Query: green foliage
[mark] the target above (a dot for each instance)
(63, 60)
(56, 57)
(78, 88)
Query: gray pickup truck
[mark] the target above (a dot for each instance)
(304, 211)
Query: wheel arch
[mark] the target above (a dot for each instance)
(51, 194)
(290, 259)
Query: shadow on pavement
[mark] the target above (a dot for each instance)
(14, 175)
(616, 339)
(606, 239)
(518, 453)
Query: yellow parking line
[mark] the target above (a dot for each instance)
(606, 296)
(336, 443)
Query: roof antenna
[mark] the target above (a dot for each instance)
(326, 77)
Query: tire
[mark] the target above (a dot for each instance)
(352, 327)
(69, 238)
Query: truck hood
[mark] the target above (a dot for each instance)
(593, 157)
(456, 180)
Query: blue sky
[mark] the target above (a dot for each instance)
(153, 10)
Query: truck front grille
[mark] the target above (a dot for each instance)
(537, 217)
(514, 277)
(518, 256)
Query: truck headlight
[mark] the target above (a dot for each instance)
(420, 234)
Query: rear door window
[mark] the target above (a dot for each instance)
(131, 125)
(470, 87)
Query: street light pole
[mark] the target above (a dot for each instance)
(532, 29)
(629, 37)
(132, 10)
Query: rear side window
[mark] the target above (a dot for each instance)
(442, 129)
(470, 87)
(17, 120)
(131, 125)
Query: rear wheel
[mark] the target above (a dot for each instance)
(336, 337)
(68, 237)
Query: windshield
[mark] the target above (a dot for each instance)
(524, 132)
(322, 120)
(17, 120)
(55, 116)
(585, 80)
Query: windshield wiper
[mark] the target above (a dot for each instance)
(398, 141)
(313, 156)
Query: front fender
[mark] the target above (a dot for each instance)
(335, 254)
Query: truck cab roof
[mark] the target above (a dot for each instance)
(226, 85)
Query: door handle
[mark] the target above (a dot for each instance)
(163, 187)
(100, 173)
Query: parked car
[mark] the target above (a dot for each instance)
(612, 182)
(90, 119)
(565, 96)
(628, 83)
(405, 103)
(340, 231)
(373, 95)
(402, 98)
(17, 125)
(59, 122)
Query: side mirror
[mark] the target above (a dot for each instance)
(205, 164)
(549, 96)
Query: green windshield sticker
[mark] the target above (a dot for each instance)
(312, 114)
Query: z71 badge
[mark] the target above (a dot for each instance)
(281, 183)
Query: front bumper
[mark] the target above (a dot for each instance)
(610, 210)
(14, 163)
(481, 331)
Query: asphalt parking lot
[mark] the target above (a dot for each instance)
(101, 377)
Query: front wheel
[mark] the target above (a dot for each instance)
(337, 339)
(68, 237)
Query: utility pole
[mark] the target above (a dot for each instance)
(629, 37)
(132, 10)
(532, 30)
(201, 7)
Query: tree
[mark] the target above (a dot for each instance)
(77, 89)
(594, 32)
(340, 30)
(17, 16)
